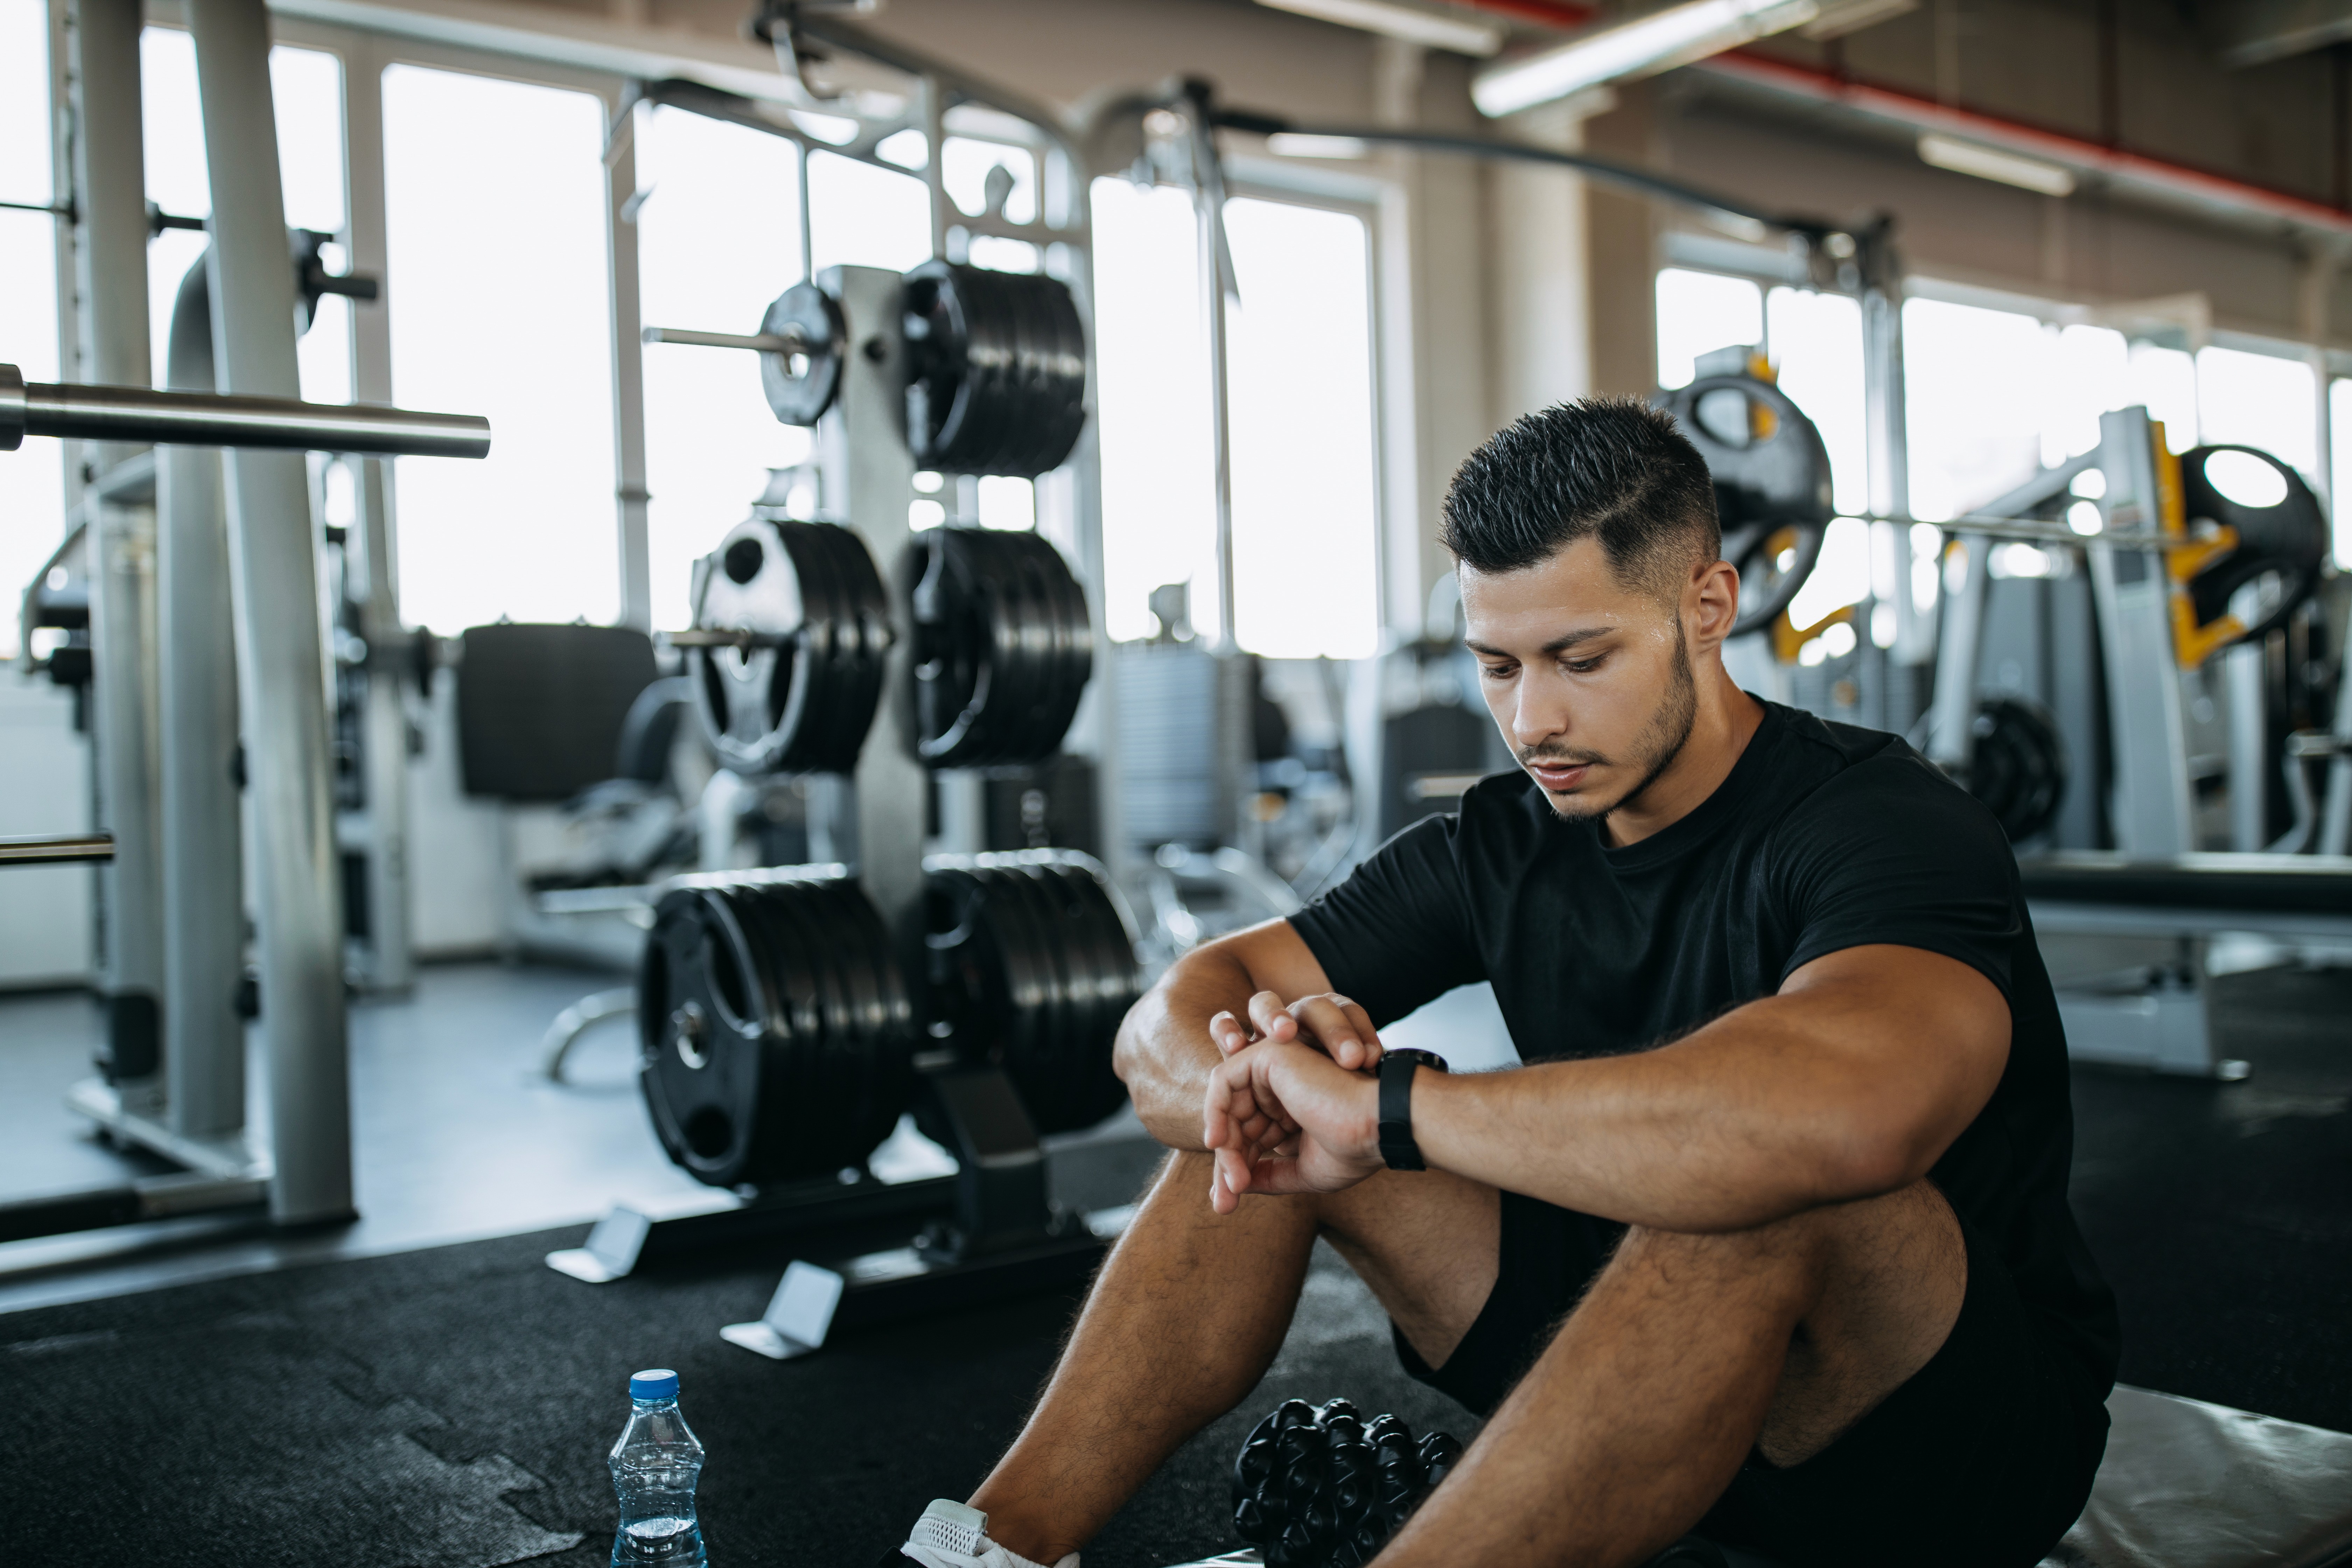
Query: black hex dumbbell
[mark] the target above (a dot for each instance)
(1320, 1487)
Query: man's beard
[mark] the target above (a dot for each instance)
(1655, 749)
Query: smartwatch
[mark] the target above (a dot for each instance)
(1397, 1068)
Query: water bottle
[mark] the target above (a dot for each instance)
(655, 1465)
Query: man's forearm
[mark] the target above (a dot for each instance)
(1164, 1055)
(1849, 1083)
(1691, 1138)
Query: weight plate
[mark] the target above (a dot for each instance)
(1766, 458)
(1003, 648)
(801, 698)
(1094, 934)
(995, 370)
(1767, 588)
(800, 386)
(2288, 538)
(2018, 764)
(705, 1032)
(828, 1116)
(1043, 1078)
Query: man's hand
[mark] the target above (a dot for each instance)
(1331, 1024)
(1331, 1118)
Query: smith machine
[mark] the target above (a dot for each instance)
(204, 630)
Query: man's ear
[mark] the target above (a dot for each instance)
(1710, 603)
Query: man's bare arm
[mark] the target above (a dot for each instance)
(1166, 1047)
(1852, 1081)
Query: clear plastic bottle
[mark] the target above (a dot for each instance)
(655, 1465)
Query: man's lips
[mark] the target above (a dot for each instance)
(1558, 777)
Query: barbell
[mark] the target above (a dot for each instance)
(140, 414)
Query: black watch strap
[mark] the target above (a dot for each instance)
(1397, 1068)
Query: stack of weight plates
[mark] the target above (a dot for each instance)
(797, 695)
(1002, 647)
(1031, 968)
(996, 370)
(776, 1027)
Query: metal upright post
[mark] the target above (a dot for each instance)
(869, 478)
(204, 835)
(384, 741)
(2153, 806)
(384, 745)
(281, 645)
(1236, 761)
(1209, 214)
(111, 273)
(1890, 458)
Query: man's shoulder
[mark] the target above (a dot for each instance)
(1871, 780)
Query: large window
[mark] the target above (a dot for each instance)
(32, 478)
(496, 280)
(306, 89)
(1301, 386)
(2260, 400)
(717, 238)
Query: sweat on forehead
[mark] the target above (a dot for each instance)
(1612, 469)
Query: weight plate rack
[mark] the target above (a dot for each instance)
(1771, 475)
(1029, 964)
(775, 1025)
(791, 636)
(1002, 647)
(996, 370)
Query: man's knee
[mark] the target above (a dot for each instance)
(1906, 1233)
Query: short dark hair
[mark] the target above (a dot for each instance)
(1613, 468)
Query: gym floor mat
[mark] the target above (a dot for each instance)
(453, 1406)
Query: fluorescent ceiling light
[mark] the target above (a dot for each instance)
(1462, 34)
(1304, 145)
(1992, 164)
(1640, 46)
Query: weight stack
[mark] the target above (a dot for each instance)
(776, 1027)
(1028, 964)
(1169, 783)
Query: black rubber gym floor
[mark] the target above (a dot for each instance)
(452, 1408)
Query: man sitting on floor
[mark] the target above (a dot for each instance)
(1769, 1239)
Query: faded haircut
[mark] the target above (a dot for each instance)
(1611, 468)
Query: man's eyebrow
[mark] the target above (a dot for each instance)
(1559, 643)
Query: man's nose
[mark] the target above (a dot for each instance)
(1536, 716)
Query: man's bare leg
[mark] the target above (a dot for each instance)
(1686, 1351)
(1188, 1313)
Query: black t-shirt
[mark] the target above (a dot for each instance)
(1823, 837)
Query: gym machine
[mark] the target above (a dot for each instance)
(2117, 709)
(158, 562)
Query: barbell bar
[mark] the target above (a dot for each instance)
(65, 850)
(788, 341)
(138, 414)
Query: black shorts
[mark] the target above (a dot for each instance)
(1982, 1460)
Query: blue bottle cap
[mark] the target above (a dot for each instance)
(660, 1382)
